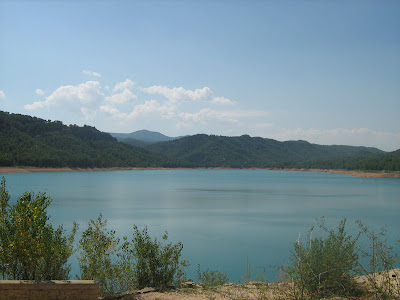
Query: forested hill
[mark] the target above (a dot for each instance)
(246, 152)
(30, 141)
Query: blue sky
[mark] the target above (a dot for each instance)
(323, 71)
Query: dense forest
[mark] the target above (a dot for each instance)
(30, 141)
(247, 152)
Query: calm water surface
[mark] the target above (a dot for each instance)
(221, 216)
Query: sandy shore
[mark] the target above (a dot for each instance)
(377, 174)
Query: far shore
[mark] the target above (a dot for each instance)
(370, 174)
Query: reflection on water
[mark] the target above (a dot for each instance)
(221, 216)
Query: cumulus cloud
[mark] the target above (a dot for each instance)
(81, 98)
(164, 111)
(178, 107)
(124, 97)
(113, 112)
(222, 101)
(180, 94)
(91, 73)
(121, 86)
(2, 95)
(207, 114)
(39, 92)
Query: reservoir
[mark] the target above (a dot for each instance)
(222, 217)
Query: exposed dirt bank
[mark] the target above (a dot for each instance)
(372, 174)
(260, 290)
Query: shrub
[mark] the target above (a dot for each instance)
(104, 260)
(157, 263)
(382, 258)
(211, 278)
(324, 265)
(30, 248)
(142, 262)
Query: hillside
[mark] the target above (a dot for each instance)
(30, 141)
(246, 152)
(389, 161)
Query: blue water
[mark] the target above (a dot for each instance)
(221, 216)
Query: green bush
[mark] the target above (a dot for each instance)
(382, 258)
(211, 278)
(324, 266)
(158, 263)
(103, 259)
(142, 262)
(30, 248)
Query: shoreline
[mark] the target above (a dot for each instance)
(366, 174)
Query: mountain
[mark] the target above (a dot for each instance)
(30, 141)
(245, 152)
(144, 136)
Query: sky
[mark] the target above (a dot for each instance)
(327, 72)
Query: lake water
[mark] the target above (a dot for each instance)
(221, 216)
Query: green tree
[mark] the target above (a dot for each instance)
(30, 248)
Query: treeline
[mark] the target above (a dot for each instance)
(30, 141)
(362, 161)
(254, 152)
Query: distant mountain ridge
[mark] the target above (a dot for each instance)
(144, 136)
(244, 151)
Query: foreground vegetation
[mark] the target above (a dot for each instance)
(320, 267)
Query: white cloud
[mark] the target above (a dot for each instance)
(82, 98)
(141, 110)
(121, 86)
(177, 108)
(2, 95)
(91, 73)
(114, 112)
(35, 105)
(206, 114)
(39, 92)
(124, 97)
(222, 101)
(181, 94)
